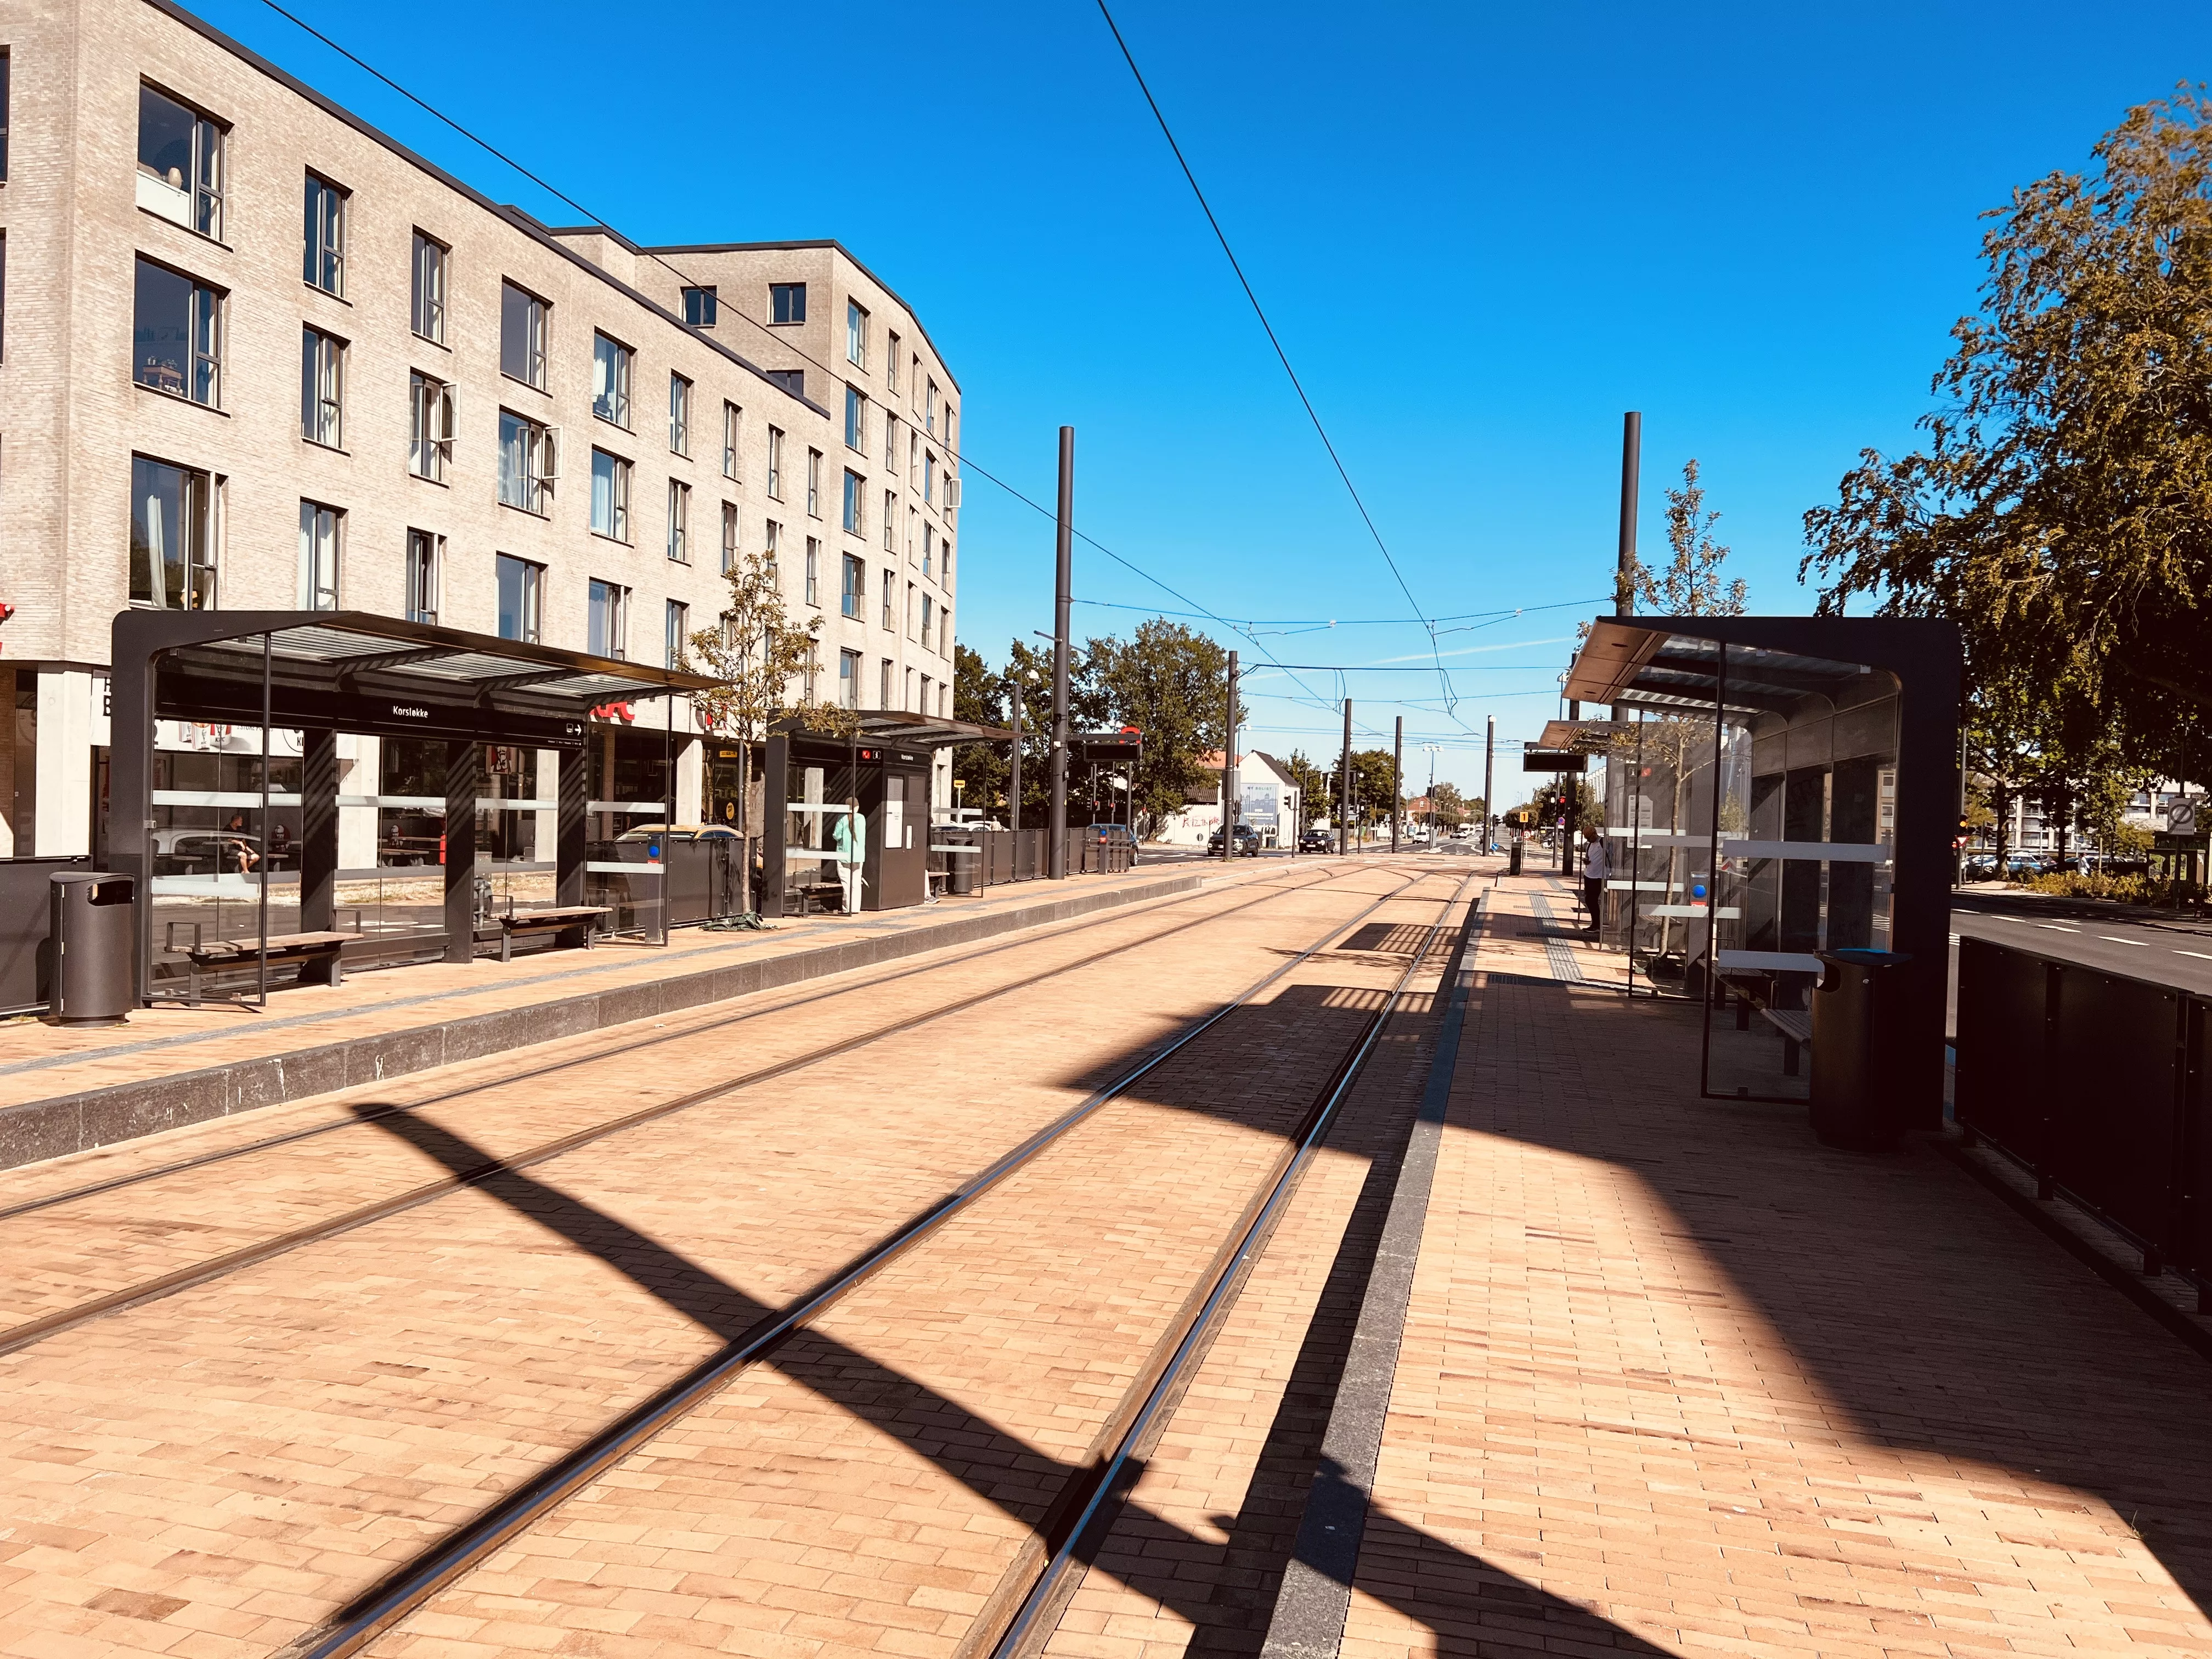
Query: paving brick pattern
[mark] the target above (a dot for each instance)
(1675, 1379)
(867, 1492)
(257, 1449)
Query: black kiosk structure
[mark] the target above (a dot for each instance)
(1778, 789)
(460, 695)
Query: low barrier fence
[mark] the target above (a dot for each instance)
(2094, 1082)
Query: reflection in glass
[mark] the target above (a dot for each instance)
(171, 538)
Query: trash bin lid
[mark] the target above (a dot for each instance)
(1862, 956)
(71, 878)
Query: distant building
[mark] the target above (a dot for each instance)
(1269, 799)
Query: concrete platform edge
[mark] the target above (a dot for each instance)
(39, 1130)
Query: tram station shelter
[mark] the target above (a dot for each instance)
(1775, 787)
(496, 731)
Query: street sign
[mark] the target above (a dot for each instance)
(1552, 760)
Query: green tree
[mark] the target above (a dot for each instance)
(981, 769)
(755, 652)
(1448, 807)
(1172, 683)
(2061, 508)
(1691, 585)
(1313, 789)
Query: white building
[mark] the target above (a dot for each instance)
(1269, 802)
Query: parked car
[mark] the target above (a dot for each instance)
(1248, 841)
(1313, 840)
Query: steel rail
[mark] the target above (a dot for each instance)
(23, 1335)
(400, 1592)
(93, 1189)
(1145, 1403)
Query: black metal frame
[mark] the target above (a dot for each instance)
(1616, 665)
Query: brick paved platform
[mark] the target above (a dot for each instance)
(70, 1091)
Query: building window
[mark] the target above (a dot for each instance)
(883, 684)
(927, 605)
(813, 572)
(772, 539)
(177, 335)
(944, 630)
(700, 308)
(729, 537)
(814, 483)
(680, 415)
(923, 706)
(323, 255)
(856, 334)
(180, 163)
(521, 594)
(787, 302)
(4, 117)
(910, 591)
(677, 629)
(890, 363)
(855, 590)
(913, 458)
(173, 536)
(793, 381)
(607, 629)
(856, 498)
(322, 387)
(611, 363)
(944, 696)
(731, 415)
(429, 427)
(908, 703)
(319, 556)
(425, 552)
(929, 410)
(609, 495)
(891, 522)
(522, 335)
(848, 679)
(775, 465)
(913, 518)
(427, 308)
(679, 522)
(529, 463)
(856, 409)
(945, 563)
(890, 444)
(929, 478)
(890, 593)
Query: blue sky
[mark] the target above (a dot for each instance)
(1481, 232)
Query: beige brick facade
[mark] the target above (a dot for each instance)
(72, 417)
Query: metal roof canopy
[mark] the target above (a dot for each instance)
(1778, 666)
(355, 672)
(897, 727)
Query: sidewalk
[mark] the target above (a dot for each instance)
(1675, 1379)
(71, 1090)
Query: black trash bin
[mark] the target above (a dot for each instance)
(92, 922)
(1513, 858)
(962, 856)
(1859, 1095)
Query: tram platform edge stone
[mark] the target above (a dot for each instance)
(78, 1119)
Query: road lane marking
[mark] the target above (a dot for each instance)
(2114, 939)
(2060, 927)
(2199, 955)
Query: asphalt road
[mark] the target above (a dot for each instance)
(2173, 951)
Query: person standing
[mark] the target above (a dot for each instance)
(848, 832)
(1596, 865)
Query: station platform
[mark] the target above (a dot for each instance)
(69, 1091)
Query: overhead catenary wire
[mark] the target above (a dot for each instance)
(1260, 312)
(960, 456)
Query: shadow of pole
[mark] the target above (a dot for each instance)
(998, 1467)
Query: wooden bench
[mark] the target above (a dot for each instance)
(317, 955)
(558, 920)
(1756, 992)
(819, 894)
(1796, 1029)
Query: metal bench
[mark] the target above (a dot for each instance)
(557, 920)
(1796, 1029)
(317, 955)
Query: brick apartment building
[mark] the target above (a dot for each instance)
(255, 355)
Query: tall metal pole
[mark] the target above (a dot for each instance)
(1063, 603)
(1489, 749)
(1231, 789)
(1397, 779)
(1014, 787)
(1344, 786)
(1632, 462)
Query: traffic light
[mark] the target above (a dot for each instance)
(1965, 834)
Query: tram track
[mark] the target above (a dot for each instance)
(1038, 1575)
(26, 1333)
(688, 1030)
